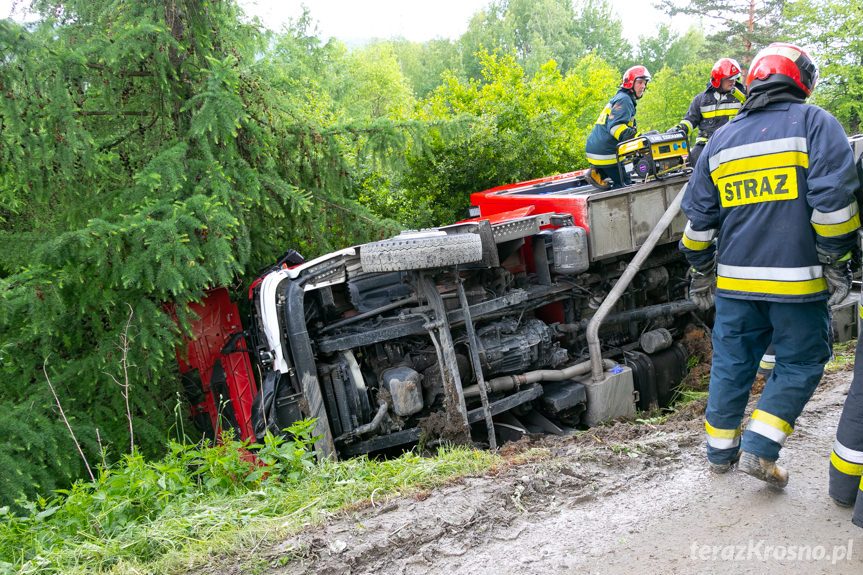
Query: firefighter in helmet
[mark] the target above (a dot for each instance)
(846, 459)
(712, 108)
(772, 217)
(615, 124)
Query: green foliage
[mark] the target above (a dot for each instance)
(537, 31)
(375, 86)
(843, 356)
(668, 48)
(165, 515)
(423, 63)
(149, 151)
(602, 32)
(669, 94)
(519, 128)
(832, 30)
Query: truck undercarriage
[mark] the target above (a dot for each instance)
(558, 306)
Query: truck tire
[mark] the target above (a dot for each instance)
(423, 250)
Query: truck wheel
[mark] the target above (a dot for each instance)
(420, 250)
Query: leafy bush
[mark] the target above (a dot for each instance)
(515, 128)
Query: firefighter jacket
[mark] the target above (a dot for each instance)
(778, 181)
(711, 110)
(615, 124)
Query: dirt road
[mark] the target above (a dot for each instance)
(623, 499)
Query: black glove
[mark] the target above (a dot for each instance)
(838, 276)
(628, 134)
(678, 129)
(702, 287)
(837, 272)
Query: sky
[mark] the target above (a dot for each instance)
(421, 20)
(416, 20)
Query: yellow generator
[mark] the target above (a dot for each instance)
(653, 155)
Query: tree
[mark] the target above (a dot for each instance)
(669, 94)
(149, 151)
(742, 26)
(667, 48)
(517, 128)
(833, 31)
(535, 31)
(374, 85)
(423, 63)
(601, 31)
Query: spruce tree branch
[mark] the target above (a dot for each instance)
(85, 113)
(121, 73)
(129, 134)
(344, 209)
(66, 421)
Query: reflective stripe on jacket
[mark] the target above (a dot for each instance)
(711, 110)
(608, 130)
(778, 181)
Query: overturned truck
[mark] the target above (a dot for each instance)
(556, 307)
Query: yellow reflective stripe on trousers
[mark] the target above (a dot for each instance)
(722, 438)
(767, 361)
(598, 160)
(769, 426)
(843, 466)
(848, 454)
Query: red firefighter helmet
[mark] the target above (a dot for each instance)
(633, 74)
(783, 63)
(724, 68)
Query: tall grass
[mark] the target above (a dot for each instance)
(165, 516)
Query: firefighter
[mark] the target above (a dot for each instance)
(712, 108)
(846, 461)
(615, 124)
(772, 203)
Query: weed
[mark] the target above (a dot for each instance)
(165, 516)
(656, 420)
(843, 355)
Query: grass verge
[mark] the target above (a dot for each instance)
(75, 534)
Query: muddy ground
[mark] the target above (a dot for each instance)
(622, 499)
